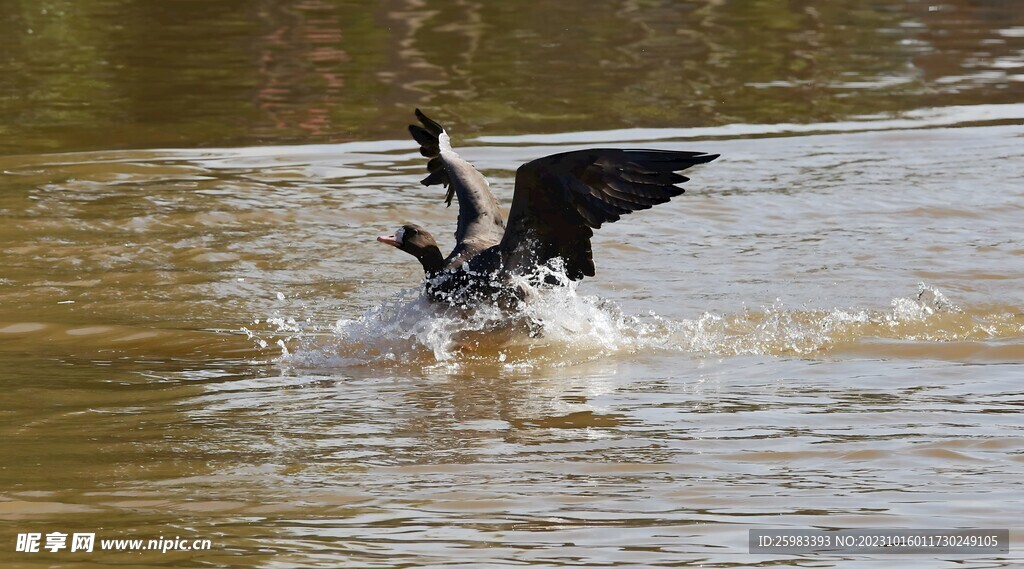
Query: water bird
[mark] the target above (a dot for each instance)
(558, 202)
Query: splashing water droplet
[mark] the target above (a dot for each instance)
(557, 326)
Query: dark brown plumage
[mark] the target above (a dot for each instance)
(558, 202)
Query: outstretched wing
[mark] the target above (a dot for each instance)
(480, 222)
(559, 200)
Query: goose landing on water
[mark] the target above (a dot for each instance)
(559, 201)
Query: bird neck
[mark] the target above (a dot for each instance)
(432, 261)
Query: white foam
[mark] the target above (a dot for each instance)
(558, 326)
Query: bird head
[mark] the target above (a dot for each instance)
(419, 243)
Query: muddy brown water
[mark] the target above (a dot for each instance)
(200, 337)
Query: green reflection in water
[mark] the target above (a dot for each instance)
(103, 74)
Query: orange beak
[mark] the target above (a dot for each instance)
(390, 240)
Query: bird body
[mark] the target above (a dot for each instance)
(557, 203)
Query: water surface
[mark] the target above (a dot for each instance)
(200, 337)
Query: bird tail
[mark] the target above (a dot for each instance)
(433, 139)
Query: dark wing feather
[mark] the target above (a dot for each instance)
(559, 200)
(480, 222)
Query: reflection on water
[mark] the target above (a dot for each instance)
(826, 330)
(101, 74)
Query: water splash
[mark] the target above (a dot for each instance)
(558, 326)
(779, 331)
